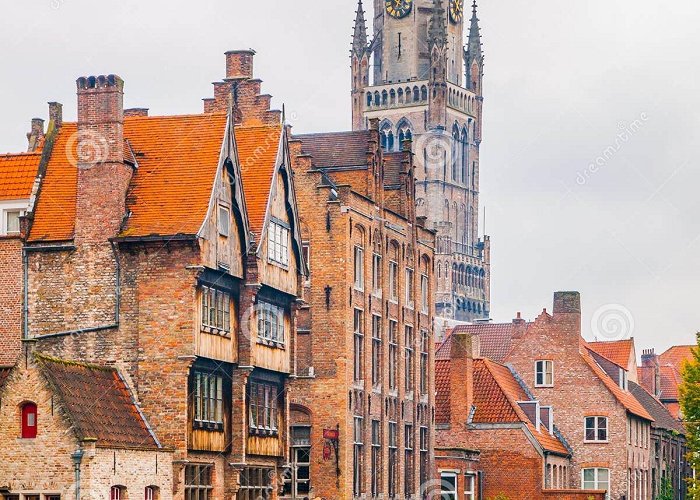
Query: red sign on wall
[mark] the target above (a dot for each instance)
(331, 434)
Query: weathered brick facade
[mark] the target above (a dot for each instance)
(365, 350)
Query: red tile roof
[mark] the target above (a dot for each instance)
(258, 148)
(442, 391)
(495, 340)
(625, 398)
(98, 404)
(619, 351)
(17, 174)
(670, 380)
(170, 191)
(677, 355)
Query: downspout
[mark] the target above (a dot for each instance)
(77, 458)
(25, 293)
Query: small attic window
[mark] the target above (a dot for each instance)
(224, 221)
(29, 421)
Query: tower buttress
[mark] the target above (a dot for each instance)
(359, 56)
(437, 42)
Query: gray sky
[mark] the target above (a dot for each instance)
(569, 84)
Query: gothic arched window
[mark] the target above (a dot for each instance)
(369, 99)
(455, 153)
(465, 155)
(424, 93)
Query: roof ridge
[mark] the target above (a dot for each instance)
(52, 359)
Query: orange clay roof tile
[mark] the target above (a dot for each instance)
(258, 148)
(619, 351)
(169, 192)
(17, 174)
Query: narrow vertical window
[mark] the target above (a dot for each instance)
(359, 341)
(424, 294)
(224, 221)
(424, 340)
(29, 421)
(393, 459)
(409, 289)
(408, 368)
(377, 274)
(376, 458)
(357, 455)
(278, 243)
(376, 350)
(393, 354)
(393, 281)
(359, 268)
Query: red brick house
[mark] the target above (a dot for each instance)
(661, 375)
(606, 427)
(364, 394)
(492, 436)
(169, 249)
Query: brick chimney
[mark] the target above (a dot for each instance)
(239, 63)
(651, 372)
(464, 349)
(55, 115)
(103, 178)
(567, 313)
(35, 136)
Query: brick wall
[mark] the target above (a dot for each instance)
(11, 280)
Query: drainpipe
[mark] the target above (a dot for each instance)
(77, 458)
(25, 292)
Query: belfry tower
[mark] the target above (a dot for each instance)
(417, 76)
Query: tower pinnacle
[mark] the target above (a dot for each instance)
(437, 33)
(359, 38)
(474, 45)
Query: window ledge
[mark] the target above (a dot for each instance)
(208, 426)
(215, 331)
(272, 343)
(544, 386)
(263, 432)
(586, 441)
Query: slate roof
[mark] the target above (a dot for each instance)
(495, 340)
(17, 174)
(663, 419)
(170, 191)
(98, 403)
(258, 148)
(618, 351)
(336, 149)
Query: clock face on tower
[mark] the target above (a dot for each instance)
(398, 8)
(456, 10)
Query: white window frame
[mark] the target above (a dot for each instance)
(424, 294)
(545, 363)
(270, 324)
(409, 275)
(377, 274)
(224, 221)
(5, 209)
(393, 282)
(449, 494)
(596, 427)
(469, 486)
(359, 268)
(596, 479)
(278, 243)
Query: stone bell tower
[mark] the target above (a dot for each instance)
(423, 81)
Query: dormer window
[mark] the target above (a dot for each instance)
(544, 373)
(278, 243)
(623, 379)
(224, 221)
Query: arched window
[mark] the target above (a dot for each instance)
(400, 96)
(151, 493)
(385, 97)
(404, 131)
(424, 93)
(408, 95)
(29, 421)
(455, 153)
(392, 97)
(465, 155)
(117, 493)
(416, 94)
(377, 99)
(369, 99)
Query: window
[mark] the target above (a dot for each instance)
(409, 289)
(359, 268)
(298, 484)
(29, 421)
(208, 400)
(596, 429)
(424, 340)
(393, 354)
(151, 493)
(224, 221)
(117, 493)
(596, 479)
(256, 483)
(262, 407)
(359, 343)
(377, 274)
(357, 454)
(408, 459)
(393, 459)
(408, 368)
(393, 281)
(376, 350)
(623, 378)
(544, 373)
(216, 311)
(278, 243)
(424, 294)
(470, 487)
(448, 486)
(12, 221)
(376, 457)
(270, 323)
(424, 469)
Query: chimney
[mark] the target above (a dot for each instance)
(464, 349)
(35, 137)
(239, 64)
(567, 313)
(55, 115)
(103, 178)
(651, 372)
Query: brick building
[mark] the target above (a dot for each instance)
(168, 250)
(418, 78)
(493, 437)
(363, 398)
(661, 375)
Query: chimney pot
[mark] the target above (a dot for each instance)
(35, 137)
(239, 63)
(56, 114)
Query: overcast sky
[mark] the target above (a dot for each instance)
(591, 136)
